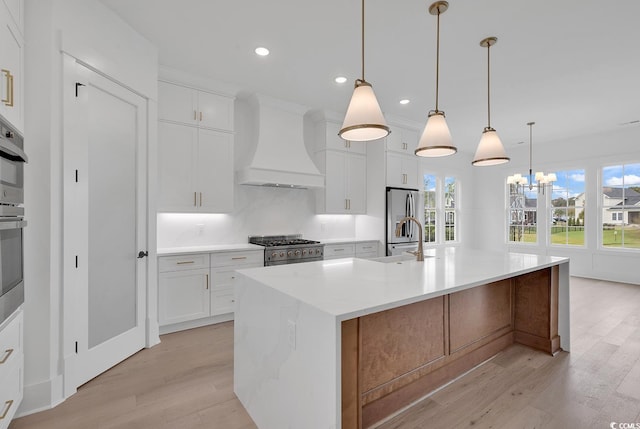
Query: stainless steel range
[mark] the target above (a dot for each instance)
(288, 249)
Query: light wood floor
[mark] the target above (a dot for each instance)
(186, 382)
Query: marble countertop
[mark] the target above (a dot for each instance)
(166, 251)
(352, 287)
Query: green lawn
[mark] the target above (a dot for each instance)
(613, 237)
(610, 237)
(575, 238)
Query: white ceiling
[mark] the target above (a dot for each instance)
(572, 66)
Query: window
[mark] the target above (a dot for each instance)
(621, 206)
(567, 208)
(450, 209)
(430, 206)
(440, 208)
(522, 214)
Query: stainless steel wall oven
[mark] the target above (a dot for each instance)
(12, 223)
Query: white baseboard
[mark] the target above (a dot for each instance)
(167, 329)
(41, 396)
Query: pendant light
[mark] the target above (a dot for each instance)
(436, 138)
(364, 120)
(490, 150)
(542, 181)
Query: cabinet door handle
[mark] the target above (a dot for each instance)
(200, 116)
(7, 405)
(9, 100)
(7, 353)
(200, 199)
(349, 204)
(185, 262)
(207, 275)
(195, 199)
(195, 115)
(235, 258)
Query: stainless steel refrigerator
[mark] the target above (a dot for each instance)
(401, 203)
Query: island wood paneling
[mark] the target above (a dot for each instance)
(476, 313)
(402, 340)
(536, 310)
(406, 352)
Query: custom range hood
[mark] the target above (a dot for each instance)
(280, 158)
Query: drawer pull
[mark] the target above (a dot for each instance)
(7, 353)
(235, 258)
(233, 300)
(7, 405)
(366, 247)
(185, 262)
(338, 250)
(207, 281)
(233, 277)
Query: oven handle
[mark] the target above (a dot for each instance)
(12, 224)
(11, 151)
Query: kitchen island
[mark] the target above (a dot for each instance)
(347, 342)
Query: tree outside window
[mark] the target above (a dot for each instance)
(621, 206)
(567, 208)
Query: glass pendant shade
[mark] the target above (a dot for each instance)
(364, 120)
(490, 150)
(436, 139)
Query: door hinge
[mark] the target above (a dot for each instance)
(76, 347)
(77, 85)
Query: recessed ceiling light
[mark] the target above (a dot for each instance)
(263, 52)
(405, 101)
(340, 79)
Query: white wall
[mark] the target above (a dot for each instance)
(89, 31)
(588, 152)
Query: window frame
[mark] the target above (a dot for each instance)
(602, 208)
(441, 211)
(551, 208)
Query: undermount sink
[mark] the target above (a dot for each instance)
(398, 259)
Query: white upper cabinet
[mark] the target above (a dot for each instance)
(345, 183)
(402, 170)
(190, 106)
(327, 138)
(344, 165)
(195, 169)
(402, 140)
(11, 63)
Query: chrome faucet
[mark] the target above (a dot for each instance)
(420, 253)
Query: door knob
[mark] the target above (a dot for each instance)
(142, 254)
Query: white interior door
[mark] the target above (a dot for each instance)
(104, 223)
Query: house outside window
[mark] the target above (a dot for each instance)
(440, 208)
(430, 208)
(522, 214)
(567, 208)
(450, 216)
(621, 206)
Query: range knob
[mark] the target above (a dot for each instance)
(274, 255)
(290, 253)
(282, 254)
(318, 252)
(297, 252)
(304, 252)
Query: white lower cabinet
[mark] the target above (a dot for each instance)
(196, 288)
(341, 250)
(183, 296)
(11, 367)
(354, 249)
(367, 249)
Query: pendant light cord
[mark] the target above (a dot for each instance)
(363, 40)
(438, 58)
(488, 87)
(530, 155)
